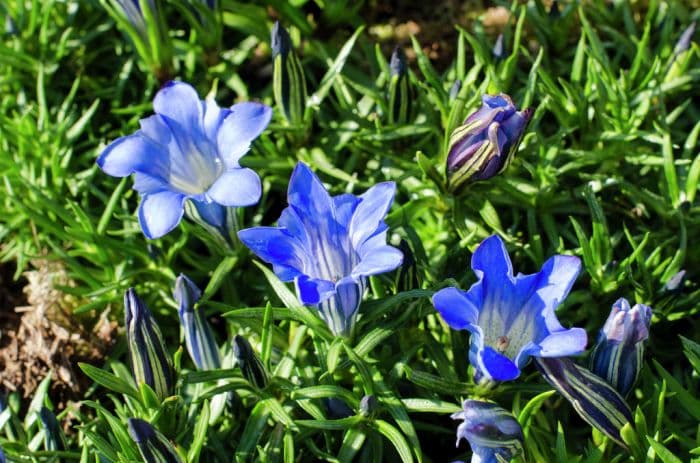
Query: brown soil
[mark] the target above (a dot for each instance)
(41, 337)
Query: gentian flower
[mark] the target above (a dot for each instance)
(511, 318)
(189, 150)
(2, 456)
(199, 338)
(619, 350)
(151, 363)
(486, 143)
(328, 245)
(493, 433)
(153, 446)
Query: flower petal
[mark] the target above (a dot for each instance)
(380, 260)
(497, 366)
(244, 124)
(454, 307)
(345, 206)
(313, 291)
(133, 153)
(160, 212)
(275, 246)
(491, 262)
(563, 343)
(213, 117)
(371, 211)
(315, 210)
(236, 187)
(179, 102)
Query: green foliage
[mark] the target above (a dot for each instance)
(608, 170)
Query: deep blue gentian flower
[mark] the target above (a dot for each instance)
(493, 433)
(511, 318)
(328, 245)
(190, 149)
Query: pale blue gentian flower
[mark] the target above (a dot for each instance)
(511, 318)
(493, 433)
(189, 150)
(328, 245)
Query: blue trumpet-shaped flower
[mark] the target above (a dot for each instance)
(199, 338)
(328, 245)
(190, 149)
(493, 433)
(511, 318)
(617, 355)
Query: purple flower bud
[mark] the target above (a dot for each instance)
(617, 355)
(685, 39)
(485, 144)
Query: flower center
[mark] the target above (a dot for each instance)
(502, 344)
(195, 173)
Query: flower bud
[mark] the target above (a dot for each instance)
(150, 361)
(400, 90)
(368, 405)
(619, 350)
(199, 338)
(454, 90)
(251, 366)
(53, 434)
(685, 39)
(498, 49)
(492, 431)
(337, 408)
(593, 399)
(289, 82)
(485, 144)
(408, 272)
(153, 446)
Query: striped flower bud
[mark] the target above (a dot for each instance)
(492, 432)
(252, 368)
(54, 439)
(153, 446)
(485, 144)
(593, 399)
(400, 90)
(199, 338)
(289, 82)
(151, 363)
(408, 278)
(619, 350)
